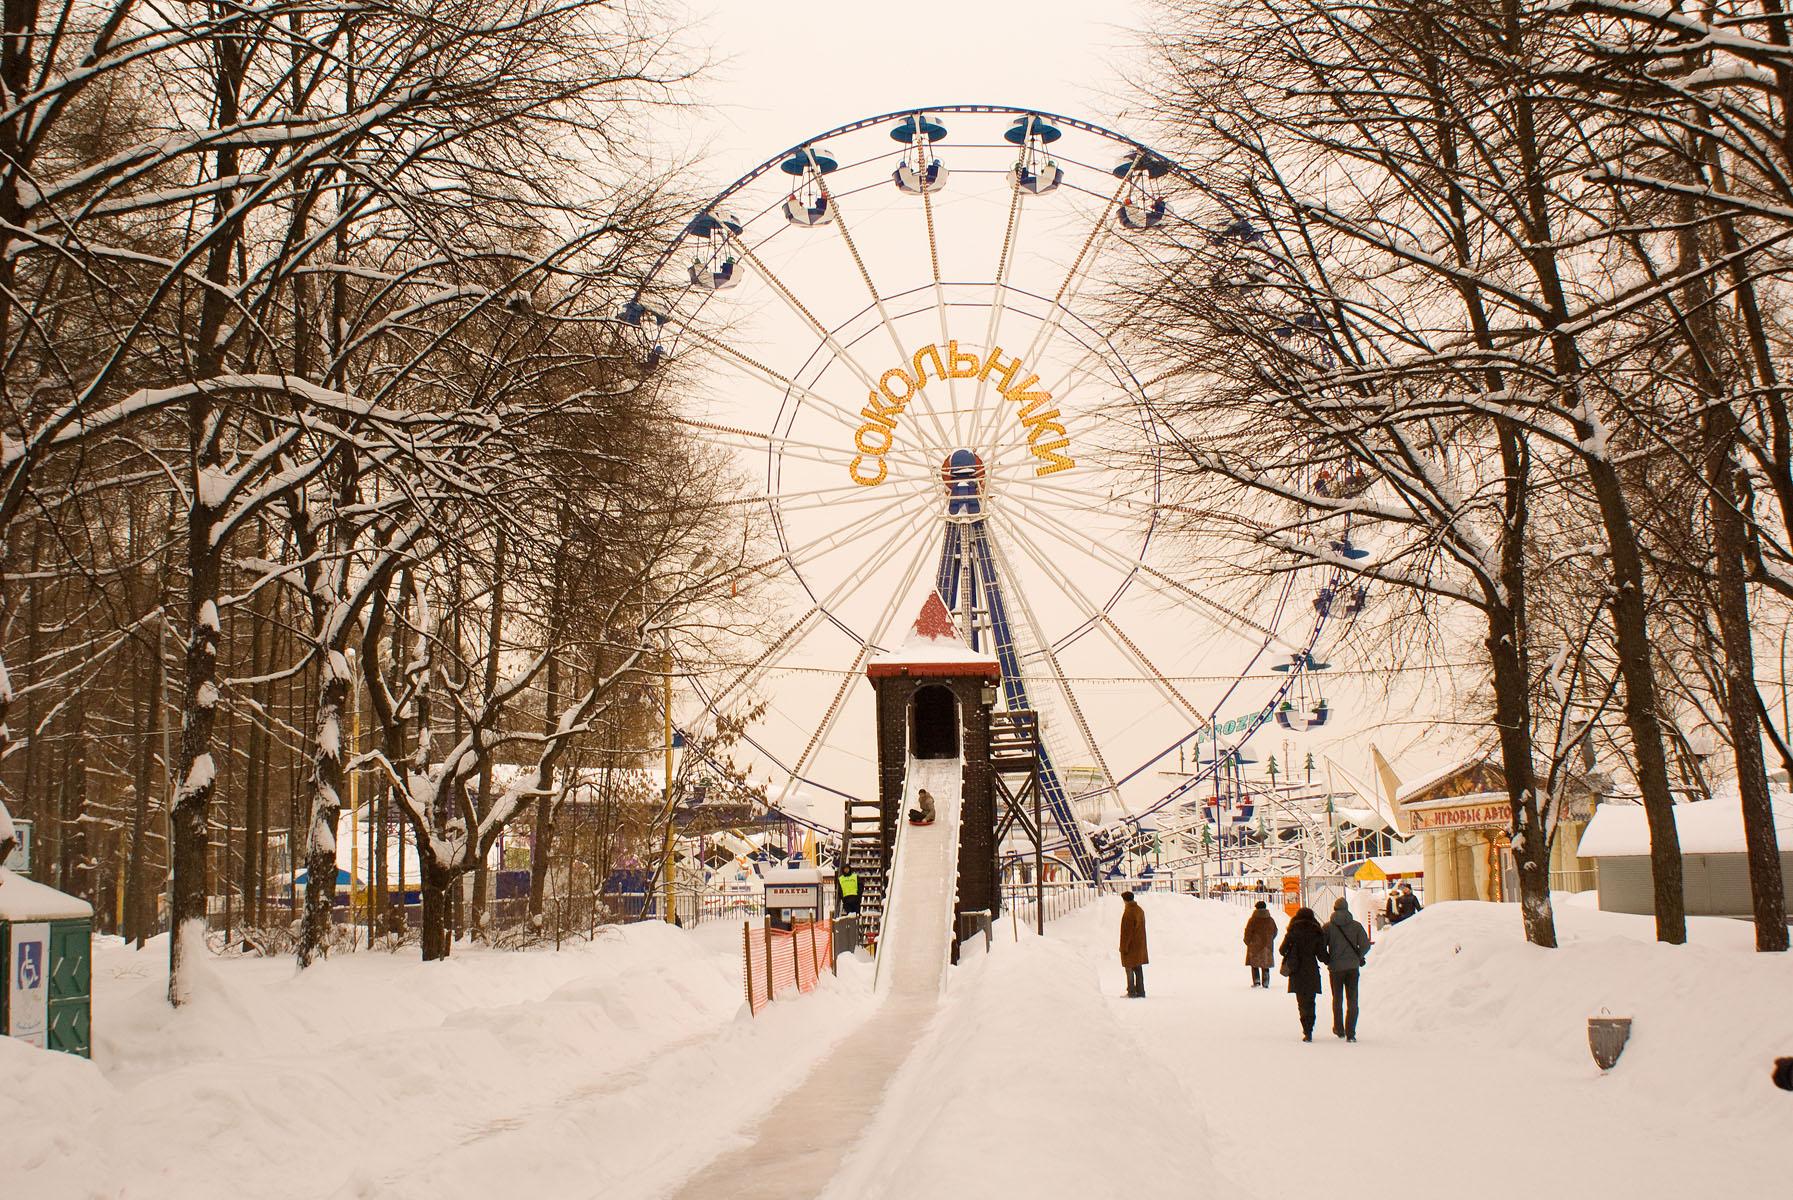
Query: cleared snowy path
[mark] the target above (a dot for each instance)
(794, 1152)
(1471, 1075)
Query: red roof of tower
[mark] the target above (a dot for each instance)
(934, 647)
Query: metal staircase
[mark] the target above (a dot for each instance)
(865, 855)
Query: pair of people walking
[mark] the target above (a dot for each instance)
(1401, 904)
(1343, 945)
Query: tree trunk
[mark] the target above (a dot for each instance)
(483, 797)
(1507, 652)
(438, 886)
(150, 714)
(1741, 701)
(188, 834)
(542, 837)
(326, 807)
(205, 557)
(1631, 627)
(255, 836)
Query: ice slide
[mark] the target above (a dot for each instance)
(915, 943)
(798, 1147)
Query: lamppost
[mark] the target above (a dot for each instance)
(669, 887)
(354, 748)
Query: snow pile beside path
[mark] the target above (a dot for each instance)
(1027, 1085)
(606, 1065)
(1708, 1017)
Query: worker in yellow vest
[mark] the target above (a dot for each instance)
(848, 882)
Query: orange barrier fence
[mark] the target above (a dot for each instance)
(779, 961)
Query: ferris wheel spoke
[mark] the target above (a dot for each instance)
(896, 341)
(820, 737)
(842, 590)
(908, 508)
(1011, 239)
(1079, 538)
(1100, 619)
(1233, 621)
(770, 656)
(1120, 500)
(1055, 315)
(732, 437)
(808, 501)
(1126, 321)
(853, 582)
(761, 373)
(1049, 493)
(791, 301)
(952, 382)
(1058, 675)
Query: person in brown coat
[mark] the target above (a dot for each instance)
(1133, 945)
(1260, 945)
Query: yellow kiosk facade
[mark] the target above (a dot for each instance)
(1461, 819)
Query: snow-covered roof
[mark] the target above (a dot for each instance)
(23, 899)
(933, 642)
(1705, 827)
(1479, 760)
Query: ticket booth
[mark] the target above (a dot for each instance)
(793, 895)
(46, 949)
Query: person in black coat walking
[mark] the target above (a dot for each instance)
(1347, 947)
(1303, 950)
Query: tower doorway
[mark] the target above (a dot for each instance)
(934, 723)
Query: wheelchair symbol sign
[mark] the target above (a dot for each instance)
(31, 966)
(27, 1006)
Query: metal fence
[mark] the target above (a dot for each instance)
(507, 923)
(1062, 898)
(1574, 881)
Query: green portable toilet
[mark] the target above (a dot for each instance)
(46, 944)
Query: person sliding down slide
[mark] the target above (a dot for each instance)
(923, 812)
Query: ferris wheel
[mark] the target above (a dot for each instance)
(903, 331)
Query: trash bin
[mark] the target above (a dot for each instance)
(46, 945)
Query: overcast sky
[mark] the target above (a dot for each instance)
(784, 75)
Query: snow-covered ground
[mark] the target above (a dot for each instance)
(1471, 1076)
(629, 1064)
(603, 1069)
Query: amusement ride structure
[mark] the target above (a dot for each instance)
(905, 330)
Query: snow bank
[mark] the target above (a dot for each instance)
(609, 1065)
(1709, 1017)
